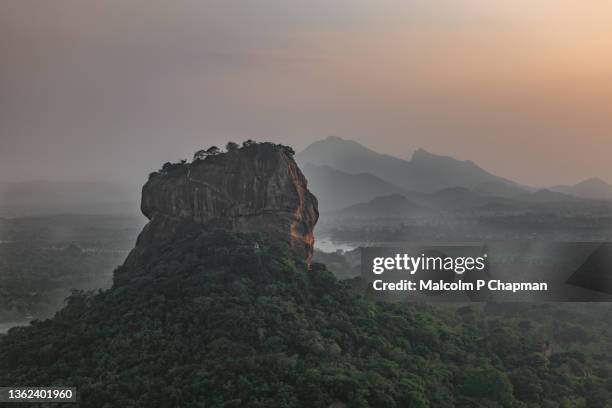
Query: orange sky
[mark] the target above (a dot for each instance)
(111, 89)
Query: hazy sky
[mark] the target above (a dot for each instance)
(112, 89)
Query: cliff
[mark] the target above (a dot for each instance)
(257, 188)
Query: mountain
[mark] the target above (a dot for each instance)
(425, 172)
(258, 188)
(217, 306)
(40, 198)
(351, 157)
(337, 189)
(593, 188)
(433, 172)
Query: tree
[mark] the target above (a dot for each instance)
(288, 150)
(166, 168)
(213, 150)
(248, 143)
(202, 154)
(199, 155)
(231, 146)
(526, 384)
(489, 383)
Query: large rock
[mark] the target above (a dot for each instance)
(258, 188)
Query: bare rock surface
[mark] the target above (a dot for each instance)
(257, 188)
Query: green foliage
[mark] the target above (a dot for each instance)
(213, 150)
(488, 383)
(212, 320)
(202, 154)
(232, 146)
(35, 278)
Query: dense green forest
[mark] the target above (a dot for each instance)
(35, 279)
(219, 319)
(43, 258)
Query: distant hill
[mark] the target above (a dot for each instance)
(593, 188)
(500, 189)
(337, 189)
(547, 196)
(428, 204)
(392, 205)
(425, 171)
(38, 198)
(461, 199)
(91, 231)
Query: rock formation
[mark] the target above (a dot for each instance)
(257, 188)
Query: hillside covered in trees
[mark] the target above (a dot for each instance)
(225, 319)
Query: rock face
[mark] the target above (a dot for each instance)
(258, 188)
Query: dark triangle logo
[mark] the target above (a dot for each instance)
(596, 272)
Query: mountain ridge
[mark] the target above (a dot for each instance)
(424, 172)
(593, 188)
(340, 189)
